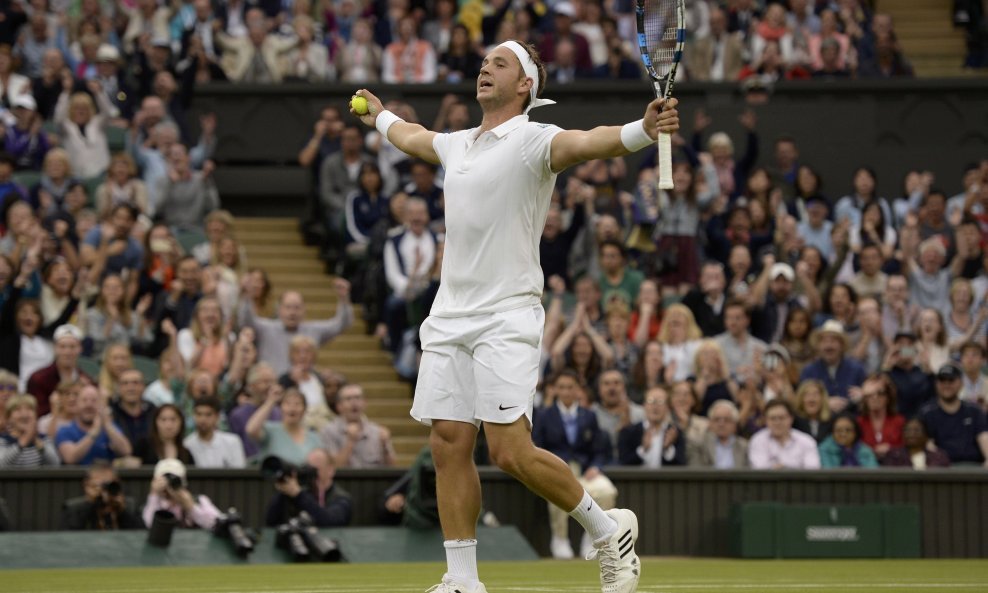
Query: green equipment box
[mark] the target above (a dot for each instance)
(770, 530)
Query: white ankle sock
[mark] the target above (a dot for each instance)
(589, 514)
(461, 561)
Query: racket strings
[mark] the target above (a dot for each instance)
(662, 34)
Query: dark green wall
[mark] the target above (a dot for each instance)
(683, 512)
(892, 126)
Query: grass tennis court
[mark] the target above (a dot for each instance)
(660, 575)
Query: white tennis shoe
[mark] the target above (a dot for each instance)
(561, 548)
(620, 568)
(450, 586)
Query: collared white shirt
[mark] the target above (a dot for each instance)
(497, 191)
(724, 453)
(655, 455)
(799, 451)
(36, 354)
(224, 450)
(408, 246)
(974, 391)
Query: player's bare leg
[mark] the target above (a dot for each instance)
(613, 532)
(458, 495)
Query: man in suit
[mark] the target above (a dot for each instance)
(721, 448)
(656, 441)
(707, 301)
(720, 55)
(571, 432)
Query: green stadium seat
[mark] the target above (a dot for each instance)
(91, 184)
(90, 366)
(116, 138)
(189, 238)
(148, 366)
(27, 179)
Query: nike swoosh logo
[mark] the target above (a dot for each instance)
(590, 507)
(502, 408)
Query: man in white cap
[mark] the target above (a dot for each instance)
(111, 83)
(840, 374)
(26, 142)
(772, 297)
(68, 347)
(482, 341)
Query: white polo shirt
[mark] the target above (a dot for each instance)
(497, 191)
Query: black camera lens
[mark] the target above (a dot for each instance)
(113, 488)
(174, 482)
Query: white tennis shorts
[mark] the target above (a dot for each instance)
(479, 368)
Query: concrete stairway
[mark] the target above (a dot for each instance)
(926, 32)
(276, 245)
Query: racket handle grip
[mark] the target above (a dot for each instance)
(665, 161)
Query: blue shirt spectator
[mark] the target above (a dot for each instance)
(838, 373)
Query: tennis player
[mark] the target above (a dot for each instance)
(481, 342)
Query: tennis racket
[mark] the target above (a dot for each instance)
(661, 36)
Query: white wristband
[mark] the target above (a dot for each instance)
(634, 137)
(385, 120)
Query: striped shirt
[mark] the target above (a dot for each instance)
(12, 455)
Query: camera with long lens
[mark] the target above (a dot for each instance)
(322, 549)
(302, 540)
(174, 482)
(290, 540)
(230, 526)
(113, 488)
(277, 469)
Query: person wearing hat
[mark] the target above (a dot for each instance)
(565, 14)
(913, 386)
(112, 84)
(957, 427)
(68, 347)
(841, 375)
(170, 492)
(772, 296)
(25, 141)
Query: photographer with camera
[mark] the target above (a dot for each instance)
(309, 488)
(169, 492)
(103, 507)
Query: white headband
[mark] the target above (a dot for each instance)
(531, 71)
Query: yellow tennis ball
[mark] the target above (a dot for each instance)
(359, 105)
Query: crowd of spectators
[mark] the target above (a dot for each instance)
(754, 316)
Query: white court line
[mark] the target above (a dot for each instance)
(582, 587)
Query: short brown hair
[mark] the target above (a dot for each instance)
(534, 54)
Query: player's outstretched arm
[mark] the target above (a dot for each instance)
(572, 147)
(412, 139)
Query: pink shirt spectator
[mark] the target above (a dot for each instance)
(203, 515)
(799, 451)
